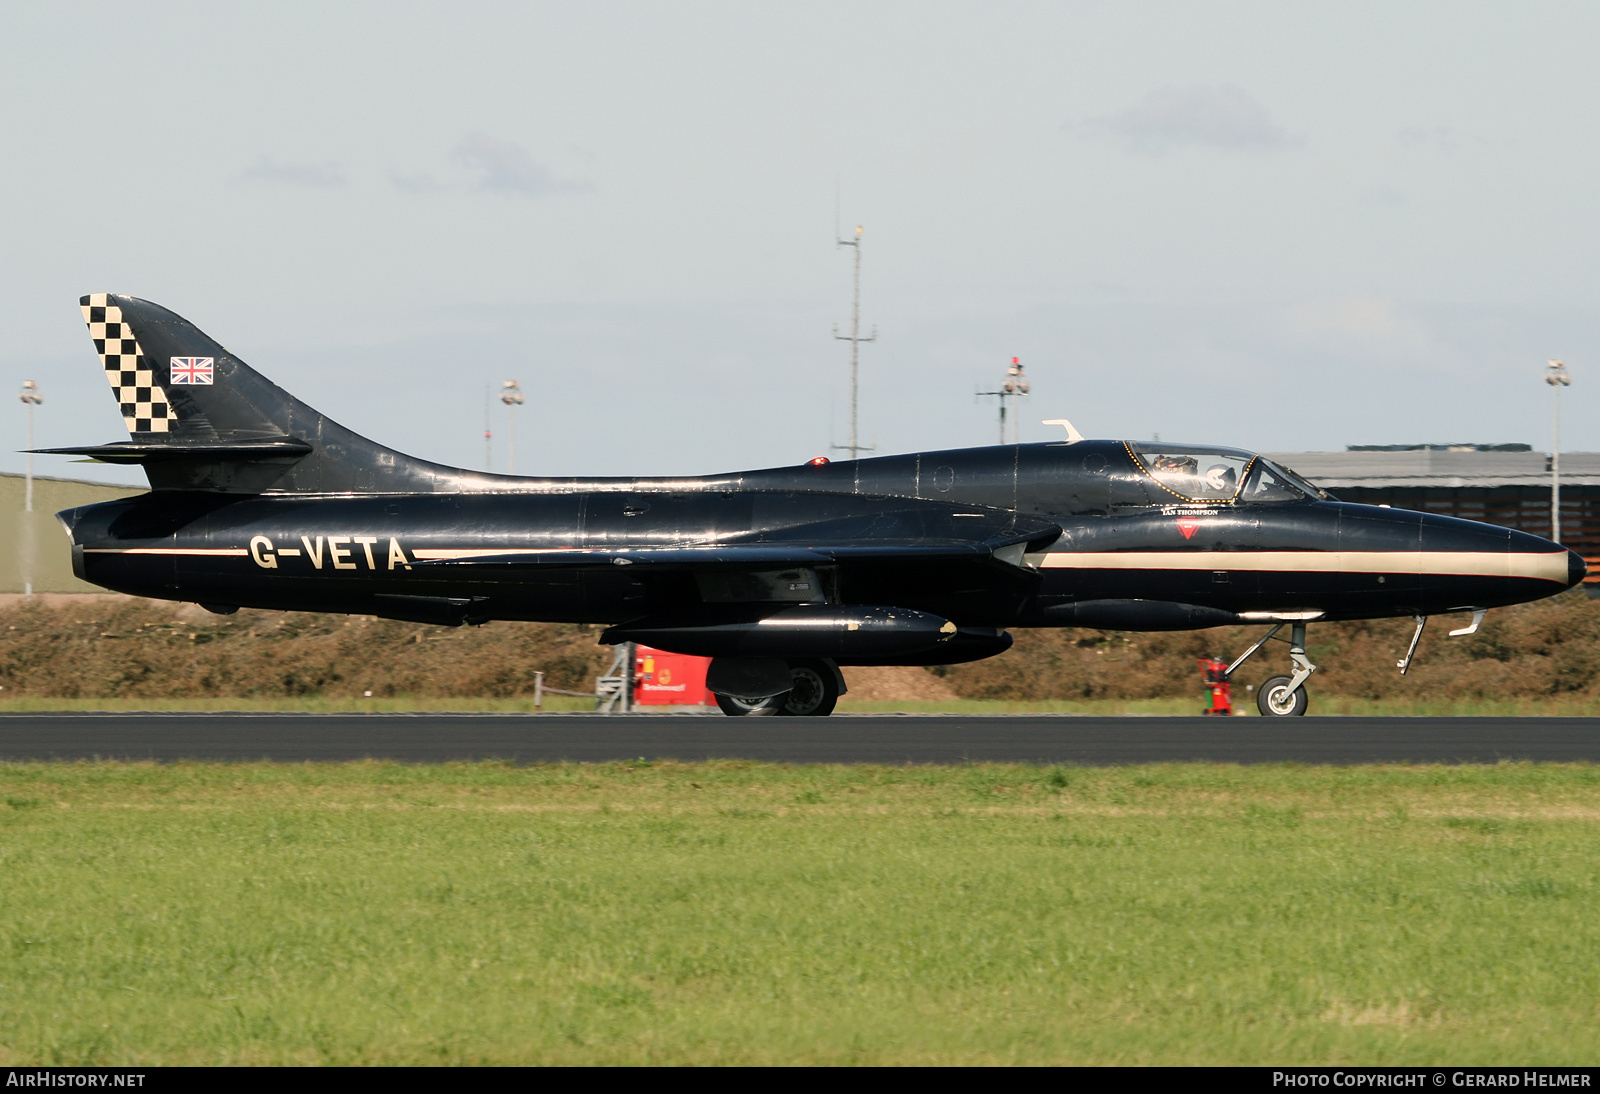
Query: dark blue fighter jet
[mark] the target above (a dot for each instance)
(779, 575)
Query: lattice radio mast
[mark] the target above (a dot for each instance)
(855, 448)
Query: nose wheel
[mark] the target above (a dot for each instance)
(1283, 696)
(1278, 698)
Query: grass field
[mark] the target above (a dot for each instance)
(744, 913)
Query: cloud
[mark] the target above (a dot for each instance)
(1373, 329)
(1385, 197)
(1214, 117)
(316, 175)
(506, 168)
(420, 182)
(1440, 137)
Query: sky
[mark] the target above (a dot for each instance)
(1281, 227)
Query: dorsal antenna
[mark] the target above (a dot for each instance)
(1073, 436)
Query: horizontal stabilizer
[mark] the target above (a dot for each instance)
(271, 448)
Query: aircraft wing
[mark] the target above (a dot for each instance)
(679, 557)
(706, 557)
(883, 537)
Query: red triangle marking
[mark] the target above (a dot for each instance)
(1188, 526)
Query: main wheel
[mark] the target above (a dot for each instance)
(751, 706)
(1274, 700)
(814, 694)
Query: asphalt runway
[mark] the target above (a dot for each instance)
(891, 739)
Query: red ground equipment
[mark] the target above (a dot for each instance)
(1215, 675)
(670, 679)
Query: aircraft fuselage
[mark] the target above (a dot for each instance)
(1130, 554)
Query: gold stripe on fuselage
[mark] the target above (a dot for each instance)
(231, 552)
(1542, 566)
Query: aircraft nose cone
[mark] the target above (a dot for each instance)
(1576, 568)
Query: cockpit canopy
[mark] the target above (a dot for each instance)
(1206, 474)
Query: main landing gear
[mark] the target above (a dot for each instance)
(814, 695)
(1283, 696)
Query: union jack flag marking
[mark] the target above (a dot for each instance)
(191, 370)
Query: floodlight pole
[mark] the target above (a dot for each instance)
(1556, 376)
(1015, 387)
(1001, 395)
(855, 340)
(30, 398)
(511, 395)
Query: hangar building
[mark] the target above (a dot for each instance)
(33, 544)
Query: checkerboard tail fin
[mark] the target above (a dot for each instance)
(199, 418)
(140, 395)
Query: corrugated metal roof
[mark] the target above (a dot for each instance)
(1422, 468)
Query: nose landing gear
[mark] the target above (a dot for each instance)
(1283, 696)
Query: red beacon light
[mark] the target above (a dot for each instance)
(818, 461)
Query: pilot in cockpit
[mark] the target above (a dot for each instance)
(1222, 480)
(1178, 472)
